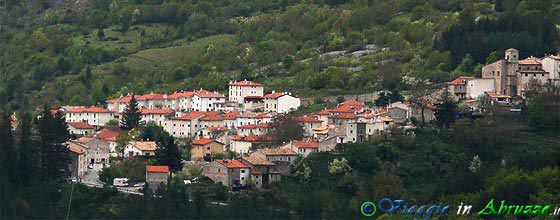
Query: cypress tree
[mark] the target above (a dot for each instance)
(53, 134)
(7, 147)
(27, 152)
(131, 116)
(168, 153)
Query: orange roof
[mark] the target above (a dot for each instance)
(232, 163)
(256, 172)
(146, 111)
(144, 145)
(202, 141)
(346, 109)
(460, 80)
(353, 103)
(82, 109)
(208, 94)
(180, 95)
(188, 116)
(308, 119)
(108, 134)
(345, 116)
(530, 61)
(211, 118)
(305, 144)
(80, 125)
(75, 150)
(149, 96)
(274, 95)
(323, 112)
(157, 169)
(244, 83)
(122, 99)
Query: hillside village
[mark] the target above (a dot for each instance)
(242, 122)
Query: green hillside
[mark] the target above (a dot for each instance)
(105, 48)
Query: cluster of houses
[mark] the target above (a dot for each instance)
(242, 123)
(507, 80)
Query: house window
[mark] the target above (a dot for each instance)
(219, 170)
(242, 178)
(208, 148)
(242, 171)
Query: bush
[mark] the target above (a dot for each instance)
(133, 169)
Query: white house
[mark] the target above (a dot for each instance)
(239, 145)
(80, 128)
(179, 101)
(91, 115)
(118, 104)
(280, 102)
(204, 100)
(158, 116)
(151, 101)
(309, 123)
(551, 64)
(254, 129)
(238, 90)
(140, 148)
(304, 147)
(183, 126)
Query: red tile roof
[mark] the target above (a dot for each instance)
(274, 95)
(123, 99)
(305, 144)
(108, 134)
(150, 96)
(353, 103)
(345, 116)
(157, 169)
(202, 141)
(346, 109)
(244, 83)
(80, 125)
(460, 80)
(177, 95)
(211, 118)
(76, 150)
(82, 109)
(252, 138)
(188, 116)
(233, 163)
(323, 112)
(530, 61)
(146, 111)
(208, 94)
(308, 119)
(257, 161)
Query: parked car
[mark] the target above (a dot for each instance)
(120, 182)
(139, 185)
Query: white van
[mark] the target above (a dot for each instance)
(120, 182)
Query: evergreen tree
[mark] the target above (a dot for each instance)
(446, 111)
(131, 116)
(53, 134)
(27, 152)
(7, 147)
(7, 167)
(168, 153)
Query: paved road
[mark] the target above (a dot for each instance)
(92, 176)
